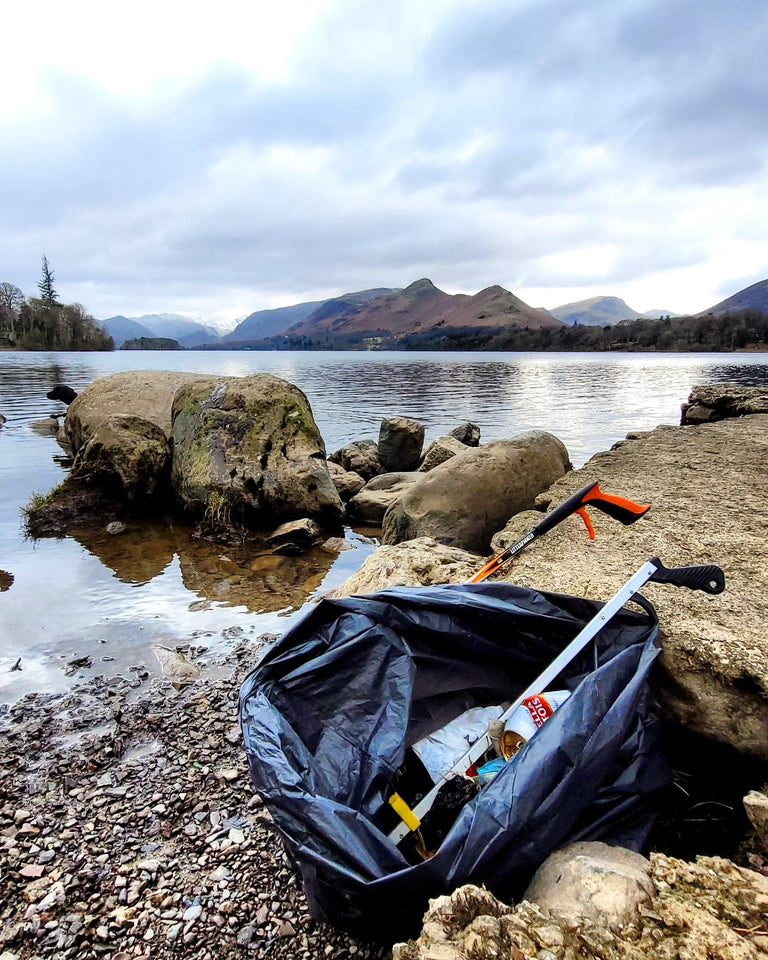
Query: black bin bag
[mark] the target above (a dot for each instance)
(328, 713)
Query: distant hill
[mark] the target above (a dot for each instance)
(122, 329)
(596, 311)
(269, 323)
(750, 298)
(658, 314)
(418, 308)
(151, 343)
(174, 326)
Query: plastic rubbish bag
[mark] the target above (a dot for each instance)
(328, 714)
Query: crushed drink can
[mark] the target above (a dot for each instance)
(532, 714)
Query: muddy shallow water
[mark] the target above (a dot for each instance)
(102, 601)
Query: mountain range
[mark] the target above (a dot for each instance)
(173, 326)
(419, 308)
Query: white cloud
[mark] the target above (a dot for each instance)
(219, 160)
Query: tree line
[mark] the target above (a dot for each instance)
(43, 323)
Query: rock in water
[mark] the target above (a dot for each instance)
(249, 448)
(465, 500)
(400, 442)
(128, 453)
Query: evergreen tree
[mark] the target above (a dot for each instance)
(45, 286)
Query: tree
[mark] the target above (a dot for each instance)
(11, 301)
(45, 286)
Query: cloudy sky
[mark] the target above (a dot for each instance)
(214, 159)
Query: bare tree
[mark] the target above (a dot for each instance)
(47, 294)
(11, 301)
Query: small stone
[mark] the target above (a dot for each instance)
(115, 527)
(192, 913)
(236, 836)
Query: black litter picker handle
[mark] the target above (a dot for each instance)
(621, 509)
(706, 577)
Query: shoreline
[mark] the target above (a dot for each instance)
(129, 828)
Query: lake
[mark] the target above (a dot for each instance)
(110, 598)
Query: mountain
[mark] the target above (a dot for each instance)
(123, 328)
(750, 298)
(171, 326)
(418, 308)
(174, 326)
(270, 323)
(658, 314)
(595, 312)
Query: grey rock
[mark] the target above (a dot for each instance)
(361, 456)
(440, 450)
(128, 452)
(250, 446)
(721, 401)
(756, 806)
(400, 443)
(467, 499)
(467, 433)
(302, 532)
(115, 527)
(593, 882)
(373, 501)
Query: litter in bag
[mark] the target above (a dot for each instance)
(329, 712)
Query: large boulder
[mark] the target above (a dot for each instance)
(465, 500)
(147, 394)
(361, 457)
(128, 454)
(416, 563)
(400, 443)
(378, 495)
(252, 444)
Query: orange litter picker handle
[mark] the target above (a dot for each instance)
(619, 508)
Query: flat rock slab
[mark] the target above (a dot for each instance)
(706, 485)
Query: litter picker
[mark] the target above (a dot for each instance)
(706, 577)
(621, 509)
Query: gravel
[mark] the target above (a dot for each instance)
(129, 829)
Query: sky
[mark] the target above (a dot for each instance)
(216, 159)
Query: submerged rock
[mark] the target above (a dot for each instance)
(465, 500)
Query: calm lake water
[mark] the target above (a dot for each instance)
(111, 598)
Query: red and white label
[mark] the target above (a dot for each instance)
(539, 709)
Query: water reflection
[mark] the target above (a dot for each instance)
(247, 576)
